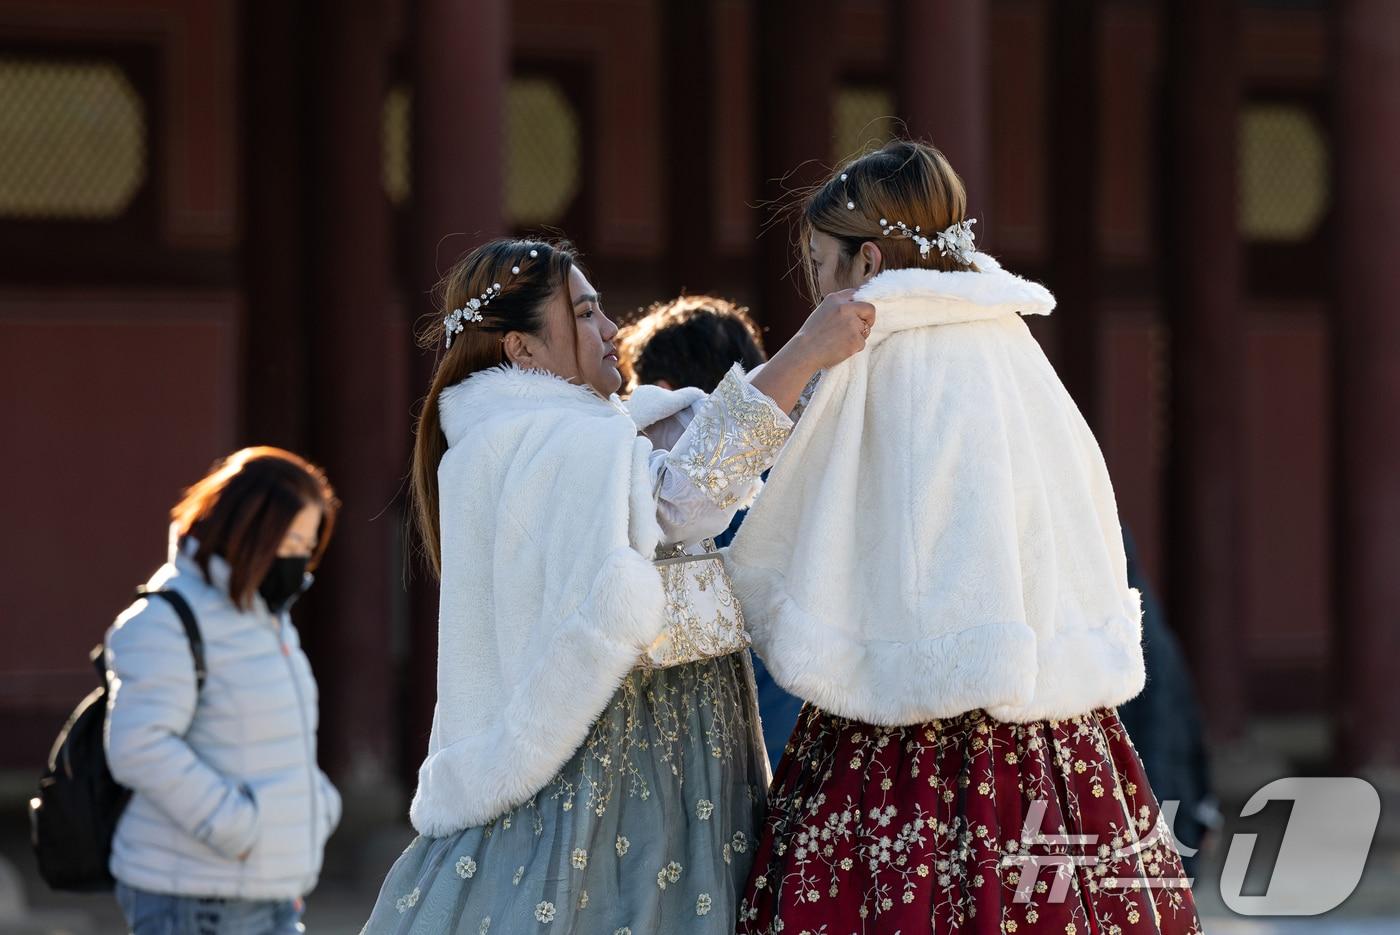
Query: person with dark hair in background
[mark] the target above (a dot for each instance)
(229, 815)
(693, 341)
(1165, 724)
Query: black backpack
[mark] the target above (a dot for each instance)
(74, 815)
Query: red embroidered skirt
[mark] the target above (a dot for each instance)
(966, 824)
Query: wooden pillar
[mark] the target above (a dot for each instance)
(797, 87)
(1072, 102)
(1203, 272)
(353, 429)
(944, 88)
(461, 64)
(691, 151)
(276, 342)
(1366, 379)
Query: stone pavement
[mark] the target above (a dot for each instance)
(341, 904)
(361, 852)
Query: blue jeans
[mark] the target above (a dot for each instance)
(163, 914)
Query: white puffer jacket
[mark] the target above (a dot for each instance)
(222, 772)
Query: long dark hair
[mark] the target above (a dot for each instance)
(529, 273)
(241, 510)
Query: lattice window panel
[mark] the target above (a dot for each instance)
(73, 140)
(397, 130)
(542, 158)
(863, 119)
(1284, 173)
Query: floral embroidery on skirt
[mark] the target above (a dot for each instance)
(966, 824)
(648, 828)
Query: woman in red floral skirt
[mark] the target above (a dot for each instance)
(936, 567)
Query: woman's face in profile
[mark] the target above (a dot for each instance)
(576, 342)
(834, 270)
(825, 251)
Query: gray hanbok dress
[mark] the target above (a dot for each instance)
(650, 825)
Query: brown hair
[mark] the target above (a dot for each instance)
(241, 510)
(692, 340)
(529, 273)
(904, 181)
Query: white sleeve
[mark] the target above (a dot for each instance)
(714, 468)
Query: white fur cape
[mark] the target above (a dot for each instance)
(940, 534)
(548, 593)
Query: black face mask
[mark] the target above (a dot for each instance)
(285, 580)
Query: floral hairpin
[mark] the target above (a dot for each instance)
(456, 321)
(956, 239)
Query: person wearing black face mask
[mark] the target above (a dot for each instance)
(285, 581)
(228, 819)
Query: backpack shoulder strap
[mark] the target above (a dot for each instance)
(186, 614)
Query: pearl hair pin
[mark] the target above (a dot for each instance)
(456, 321)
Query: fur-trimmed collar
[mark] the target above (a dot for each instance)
(502, 390)
(917, 298)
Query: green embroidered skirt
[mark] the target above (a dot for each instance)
(648, 828)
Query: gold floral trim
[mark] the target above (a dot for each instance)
(732, 440)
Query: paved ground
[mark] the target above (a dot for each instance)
(361, 852)
(341, 904)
